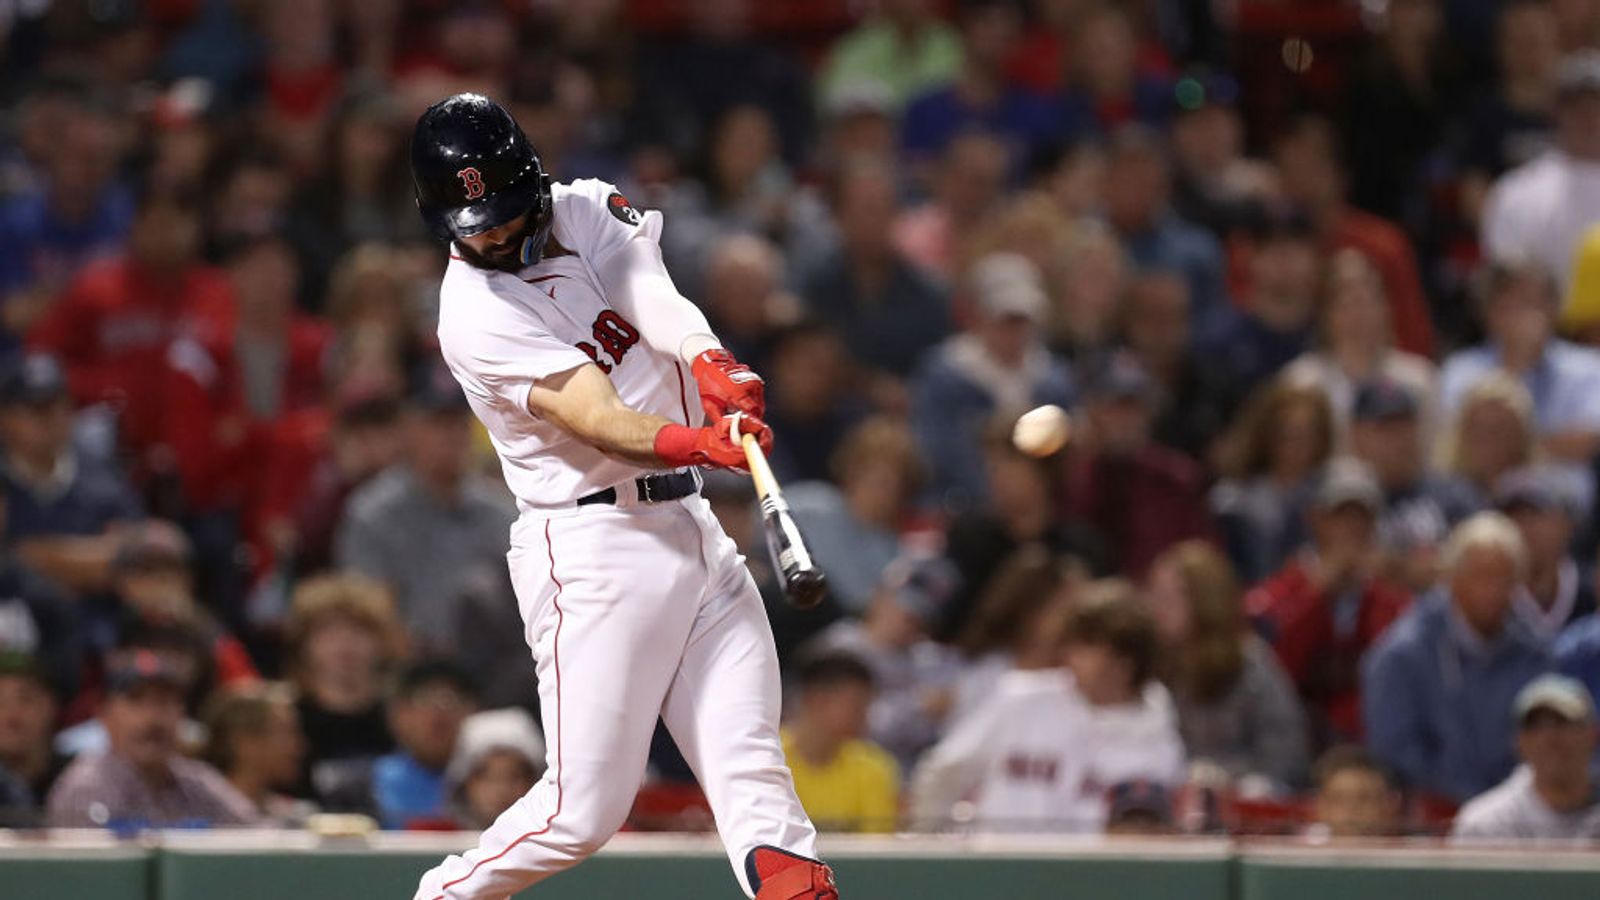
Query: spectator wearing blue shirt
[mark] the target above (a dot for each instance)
(1547, 506)
(999, 368)
(1106, 88)
(59, 504)
(980, 98)
(81, 214)
(1277, 316)
(1520, 307)
(432, 699)
(1138, 205)
(1436, 689)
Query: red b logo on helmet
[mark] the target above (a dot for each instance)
(472, 181)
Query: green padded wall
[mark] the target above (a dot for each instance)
(112, 873)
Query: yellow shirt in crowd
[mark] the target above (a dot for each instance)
(858, 791)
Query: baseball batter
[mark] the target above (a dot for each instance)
(592, 374)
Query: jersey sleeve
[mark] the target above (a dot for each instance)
(599, 221)
(503, 352)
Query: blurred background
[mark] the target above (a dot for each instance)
(1317, 280)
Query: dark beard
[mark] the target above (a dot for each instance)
(508, 261)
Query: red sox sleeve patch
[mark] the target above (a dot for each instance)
(619, 207)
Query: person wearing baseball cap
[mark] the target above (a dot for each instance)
(915, 675)
(1546, 503)
(1002, 367)
(1553, 795)
(143, 780)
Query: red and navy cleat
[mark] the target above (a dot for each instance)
(780, 875)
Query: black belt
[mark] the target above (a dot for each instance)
(651, 488)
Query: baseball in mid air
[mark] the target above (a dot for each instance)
(1042, 430)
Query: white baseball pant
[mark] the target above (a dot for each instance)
(634, 611)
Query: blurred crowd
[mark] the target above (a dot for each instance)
(1318, 281)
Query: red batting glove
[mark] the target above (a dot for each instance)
(728, 386)
(718, 445)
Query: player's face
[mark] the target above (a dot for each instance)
(498, 248)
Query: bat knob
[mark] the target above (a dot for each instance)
(807, 588)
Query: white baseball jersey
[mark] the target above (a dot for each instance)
(501, 332)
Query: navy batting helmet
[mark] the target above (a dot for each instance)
(475, 170)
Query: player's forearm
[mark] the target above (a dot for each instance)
(638, 286)
(620, 432)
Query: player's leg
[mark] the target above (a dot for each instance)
(722, 710)
(601, 601)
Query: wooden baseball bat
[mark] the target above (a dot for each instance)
(803, 583)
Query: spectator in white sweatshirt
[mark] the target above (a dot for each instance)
(1043, 753)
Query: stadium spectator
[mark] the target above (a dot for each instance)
(227, 389)
(1541, 209)
(307, 493)
(1105, 86)
(1042, 753)
(1330, 602)
(78, 214)
(1356, 797)
(61, 506)
(1419, 506)
(1355, 346)
(845, 782)
(342, 639)
(1139, 807)
(1094, 279)
(1552, 795)
(1401, 98)
(980, 97)
(430, 527)
(852, 524)
(966, 189)
(430, 701)
(153, 585)
(1016, 624)
(1512, 125)
(1547, 509)
(143, 780)
(1138, 195)
(1520, 306)
(1271, 456)
(112, 326)
(886, 309)
(915, 676)
(1275, 319)
(906, 48)
(998, 369)
(254, 740)
(1491, 435)
(38, 621)
(1237, 710)
(1214, 184)
(1437, 686)
(499, 757)
(1156, 327)
(745, 190)
(811, 400)
(1138, 496)
(28, 707)
(372, 304)
(1021, 511)
(1314, 180)
(744, 298)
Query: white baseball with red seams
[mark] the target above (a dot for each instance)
(632, 610)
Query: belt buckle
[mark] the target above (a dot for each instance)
(646, 493)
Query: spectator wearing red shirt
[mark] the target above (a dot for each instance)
(1328, 605)
(1314, 180)
(1139, 496)
(228, 389)
(112, 327)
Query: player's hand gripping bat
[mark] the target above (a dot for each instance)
(803, 582)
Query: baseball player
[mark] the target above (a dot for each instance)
(592, 373)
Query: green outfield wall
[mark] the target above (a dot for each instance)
(298, 867)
